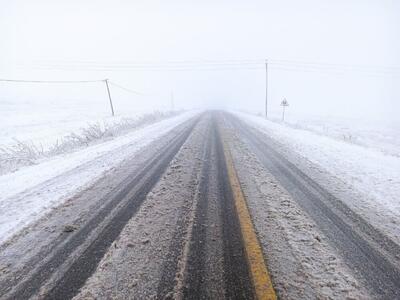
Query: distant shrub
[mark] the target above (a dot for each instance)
(22, 154)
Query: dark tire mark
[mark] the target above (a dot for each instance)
(170, 265)
(194, 285)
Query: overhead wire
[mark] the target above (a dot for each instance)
(126, 89)
(210, 62)
(324, 64)
(49, 81)
(216, 65)
(72, 81)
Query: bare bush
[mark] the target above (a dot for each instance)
(27, 153)
(18, 154)
(347, 137)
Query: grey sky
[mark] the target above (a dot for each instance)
(41, 33)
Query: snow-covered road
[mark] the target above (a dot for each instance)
(155, 213)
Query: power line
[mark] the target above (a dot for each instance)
(336, 69)
(333, 72)
(289, 67)
(211, 63)
(50, 81)
(150, 68)
(106, 81)
(126, 89)
(208, 62)
(325, 64)
(154, 63)
(72, 81)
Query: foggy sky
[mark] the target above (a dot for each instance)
(49, 34)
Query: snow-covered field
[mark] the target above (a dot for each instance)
(28, 193)
(373, 173)
(382, 135)
(44, 113)
(33, 129)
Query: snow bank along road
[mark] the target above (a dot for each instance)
(209, 210)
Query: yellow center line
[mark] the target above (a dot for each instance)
(259, 273)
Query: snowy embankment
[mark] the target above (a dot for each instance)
(51, 139)
(369, 172)
(31, 191)
(380, 135)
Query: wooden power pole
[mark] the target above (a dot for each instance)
(109, 97)
(266, 88)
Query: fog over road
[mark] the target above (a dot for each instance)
(213, 209)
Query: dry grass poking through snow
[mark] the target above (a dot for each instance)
(25, 153)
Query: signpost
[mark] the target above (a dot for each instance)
(284, 103)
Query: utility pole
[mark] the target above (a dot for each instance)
(109, 97)
(172, 101)
(266, 88)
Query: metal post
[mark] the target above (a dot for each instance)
(266, 88)
(109, 97)
(284, 103)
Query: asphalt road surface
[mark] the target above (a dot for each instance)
(173, 223)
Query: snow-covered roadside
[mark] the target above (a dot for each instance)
(30, 192)
(22, 153)
(382, 135)
(372, 174)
